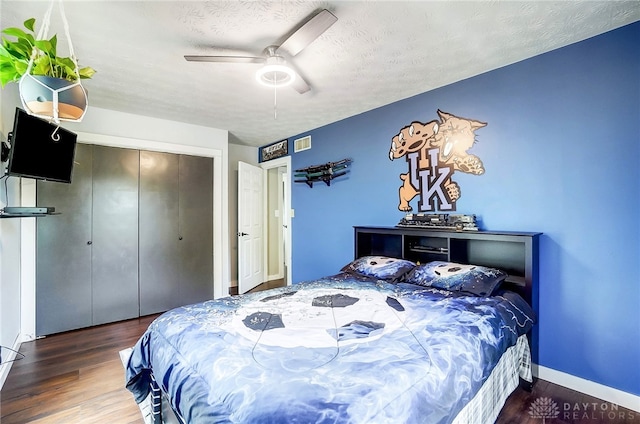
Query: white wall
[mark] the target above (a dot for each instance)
(119, 124)
(9, 254)
(274, 224)
(9, 284)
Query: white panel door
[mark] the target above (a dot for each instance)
(250, 226)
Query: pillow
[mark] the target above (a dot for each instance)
(381, 267)
(472, 279)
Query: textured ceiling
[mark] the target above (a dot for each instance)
(376, 53)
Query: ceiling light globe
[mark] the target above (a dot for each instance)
(275, 75)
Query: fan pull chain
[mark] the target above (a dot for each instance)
(275, 95)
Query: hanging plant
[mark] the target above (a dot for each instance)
(15, 56)
(49, 84)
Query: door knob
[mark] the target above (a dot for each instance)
(89, 242)
(242, 234)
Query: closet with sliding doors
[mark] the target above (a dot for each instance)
(133, 236)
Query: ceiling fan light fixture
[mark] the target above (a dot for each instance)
(275, 73)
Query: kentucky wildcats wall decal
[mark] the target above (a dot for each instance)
(434, 152)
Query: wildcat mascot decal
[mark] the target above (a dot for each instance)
(434, 151)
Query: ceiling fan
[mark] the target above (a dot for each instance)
(276, 72)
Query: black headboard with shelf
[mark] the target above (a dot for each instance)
(513, 252)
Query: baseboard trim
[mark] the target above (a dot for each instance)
(591, 388)
(8, 360)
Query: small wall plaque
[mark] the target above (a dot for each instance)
(275, 150)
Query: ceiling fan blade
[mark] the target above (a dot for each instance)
(308, 32)
(300, 85)
(224, 59)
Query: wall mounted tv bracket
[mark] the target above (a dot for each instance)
(6, 148)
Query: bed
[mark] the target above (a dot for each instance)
(385, 340)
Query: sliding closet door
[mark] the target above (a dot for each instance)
(134, 237)
(158, 229)
(63, 250)
(115, 234)
(195, 229)
(176, 231)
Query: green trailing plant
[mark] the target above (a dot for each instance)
(15, 56)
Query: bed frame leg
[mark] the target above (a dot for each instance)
(526, 385)
(156, 402)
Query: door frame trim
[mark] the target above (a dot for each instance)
(284, 161)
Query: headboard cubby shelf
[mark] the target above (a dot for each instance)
(514, 252)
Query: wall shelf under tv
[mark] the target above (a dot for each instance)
(25, 215)
(26, 212)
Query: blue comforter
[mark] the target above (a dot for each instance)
(342, 349)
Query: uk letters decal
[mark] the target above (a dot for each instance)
(434, 152)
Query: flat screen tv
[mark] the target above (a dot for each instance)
(40, 149)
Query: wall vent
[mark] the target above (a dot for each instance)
(301, 144)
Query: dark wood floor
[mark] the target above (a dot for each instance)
(233, 290)
(77, 377)
(73, 377)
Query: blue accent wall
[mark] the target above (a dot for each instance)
(562, 156)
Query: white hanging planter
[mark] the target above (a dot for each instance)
(53, 98)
